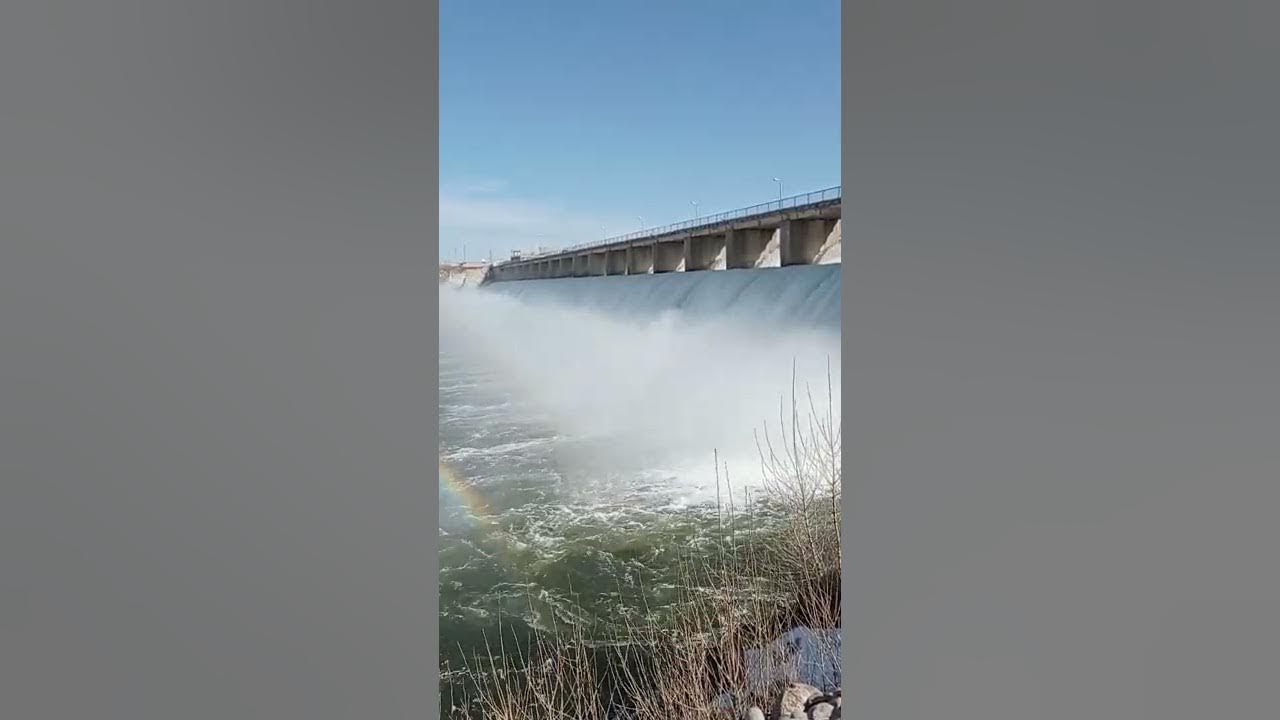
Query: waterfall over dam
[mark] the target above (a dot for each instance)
(673, 364)
(795, 296)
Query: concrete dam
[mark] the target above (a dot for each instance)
(799, 230)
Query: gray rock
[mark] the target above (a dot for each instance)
(821, 711)
(793, 699)
(828, 698)
(753, 713)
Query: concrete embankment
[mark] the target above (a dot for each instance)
(463, 274)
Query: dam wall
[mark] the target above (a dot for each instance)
(811, 243)
(800, 230)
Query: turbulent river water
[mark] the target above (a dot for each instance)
(579, 422)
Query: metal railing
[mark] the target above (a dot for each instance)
(809, 198)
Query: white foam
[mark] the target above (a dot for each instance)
(667, 390)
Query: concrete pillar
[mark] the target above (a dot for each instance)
(639, 259)
(743, 247)
(668, 256)
(800, 240)
(579, 265)
(596, 263)
(701, 252)
(616, 262)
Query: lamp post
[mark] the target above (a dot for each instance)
(779, 191)
(694, 203)
(641, 219)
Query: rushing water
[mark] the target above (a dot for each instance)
(578, 422)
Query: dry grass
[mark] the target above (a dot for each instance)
(735, 602)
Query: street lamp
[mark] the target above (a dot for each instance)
(694, 203)
(779, 191)
(641, 219)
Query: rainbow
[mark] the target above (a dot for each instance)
(456, 486)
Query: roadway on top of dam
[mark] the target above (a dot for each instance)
(798, 229)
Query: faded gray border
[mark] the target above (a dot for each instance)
(431, 564)
(1061, 400)
(218, 231)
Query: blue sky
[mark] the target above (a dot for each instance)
(562, 117)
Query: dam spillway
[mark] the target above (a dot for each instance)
(795, 296)
(711, 335)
